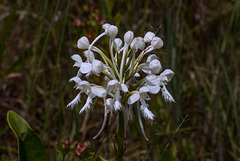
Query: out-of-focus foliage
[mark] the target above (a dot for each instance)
(201, 44)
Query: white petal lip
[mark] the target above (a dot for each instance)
(147, 113)
(83, 43)
(149, 36)
(86, 68)
(133, 98)
(74, 101)
(154, 89)
(100, 92)
(78, 60)
(124, 87)
(75, 79)
(152, 80)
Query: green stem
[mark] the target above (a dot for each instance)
(120, 138)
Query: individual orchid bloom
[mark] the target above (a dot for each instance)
(83, 43)
(83, 86)
(110, 30)
(78, 60)
(95, 67)
(118, 43)
(156, 43)
(137, 43)
(94, 91)
(152, 65)
(128, 37)
(165, 77)
(148, 37)
(115, 87)
(142, 96)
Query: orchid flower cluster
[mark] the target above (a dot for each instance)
(130, 71)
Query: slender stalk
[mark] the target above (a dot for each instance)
(120, 138)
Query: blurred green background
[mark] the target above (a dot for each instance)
(201, 45)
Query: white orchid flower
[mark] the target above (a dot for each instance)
(115, 87)
(121, 66)
(83, 86)
(78, 60)
(118, 43)
(110, 30)
(83, 43)
(165, 77)
(138, 43)
(148, 37)
(152, 65)
(142, 96)
(128, 37)
(156, 43)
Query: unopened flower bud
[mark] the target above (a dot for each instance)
(83, 43)
(128, 37)
(157, 43)
(155, 66)
(97, 66)
(149, 36)
(118, 43)
(137, 43)
(112, 31)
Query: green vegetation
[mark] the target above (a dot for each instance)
(201, 45)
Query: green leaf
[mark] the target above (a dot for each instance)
(30, 146)
(5, 158)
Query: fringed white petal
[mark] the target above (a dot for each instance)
(166, 95)
(87, 104)
(74, 101)
(147, 113)
(117, 105)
